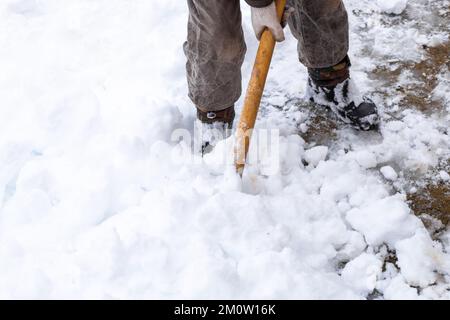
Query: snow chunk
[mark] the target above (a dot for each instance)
(444, 176)
(392, 6)
(399, 290)
(384, 221)
(389, 173)
(354, 246)
(304, 128)
(314, 155)
(366, 159)
(418, 259)
(362, 273)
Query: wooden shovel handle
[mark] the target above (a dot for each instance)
(254, 93)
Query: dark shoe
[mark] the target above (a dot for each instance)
(212, 127)
(225, 116)
(332, 87)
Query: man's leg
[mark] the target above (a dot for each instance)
(321, 27)
(215, 50)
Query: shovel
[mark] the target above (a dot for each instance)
(254, 93)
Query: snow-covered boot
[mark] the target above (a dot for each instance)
(332, 87)
(212, 127)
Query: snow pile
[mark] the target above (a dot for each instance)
(100, 198)
(392, 6)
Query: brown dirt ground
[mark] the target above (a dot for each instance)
(418, 94)
(433, 200)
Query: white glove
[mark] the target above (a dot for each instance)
(267, 17)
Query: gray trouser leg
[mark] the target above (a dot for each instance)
(321, 28)
(215, 51)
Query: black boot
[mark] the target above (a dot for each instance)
(212, 127)
(332, 87)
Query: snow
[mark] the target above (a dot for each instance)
(419, 259)
(392, 6)
(444, 176)
(389, 173)
(384, 221)
(399, 290)
(366, 159)
(362, 273)
(102, 197)
(314, 155)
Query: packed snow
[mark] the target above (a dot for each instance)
(102, 196)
